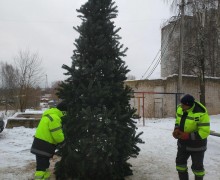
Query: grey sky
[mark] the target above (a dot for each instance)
(46, 27)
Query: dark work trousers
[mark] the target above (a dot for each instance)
(197, 158)
(43, 163)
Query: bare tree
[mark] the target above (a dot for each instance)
(30, 75)
(204, 16)
(8, 85)
(202, 55)
(218, 28)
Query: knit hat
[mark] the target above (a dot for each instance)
(62, 106)
(188, 100)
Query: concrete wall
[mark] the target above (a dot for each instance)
(170, 43)
(158, 105)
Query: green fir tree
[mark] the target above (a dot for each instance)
(100, 134)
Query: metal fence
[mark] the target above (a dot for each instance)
(155, 104)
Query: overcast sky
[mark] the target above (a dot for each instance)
(46, 27)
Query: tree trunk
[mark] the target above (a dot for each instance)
(202, 67)
(202, 89)
(218, 30)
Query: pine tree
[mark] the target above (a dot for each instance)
(100, 134)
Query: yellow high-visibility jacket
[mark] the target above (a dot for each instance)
(196, 122)
(49, 133)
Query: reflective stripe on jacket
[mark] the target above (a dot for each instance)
(49, 133)
(196, 122)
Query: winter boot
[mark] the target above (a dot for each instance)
(39, 175)
(183, 175)
(198, 177)
(47, 175)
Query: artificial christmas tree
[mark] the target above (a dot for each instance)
(100, 134)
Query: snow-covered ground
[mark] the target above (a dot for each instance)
(156, 160)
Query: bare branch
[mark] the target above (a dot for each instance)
(30, 74)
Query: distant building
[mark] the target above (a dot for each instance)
(44, 102)
(170, 43)
(157, 98)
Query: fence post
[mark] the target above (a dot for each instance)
(143, 109)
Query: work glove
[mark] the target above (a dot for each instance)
(176, 133)
(183, 135)
(59, 147)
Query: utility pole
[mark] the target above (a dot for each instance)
(179, 84)
(218, 25)
(46, 84)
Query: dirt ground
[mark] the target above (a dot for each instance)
(26, 171)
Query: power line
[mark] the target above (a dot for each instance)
(151, 64)
(162, 52)
(155, 66)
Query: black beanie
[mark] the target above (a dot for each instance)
(188, 100)
(62, 106)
